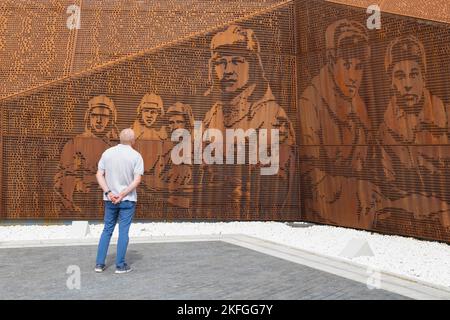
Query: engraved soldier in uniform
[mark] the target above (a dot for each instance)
(150, 136)
(287, 143)
(335, 132)
(413, 135)
(244, 100)
(79, 157)
(148, 125)
(177, 178)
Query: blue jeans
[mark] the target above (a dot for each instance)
(123, 212)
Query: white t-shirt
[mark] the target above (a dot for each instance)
(121, 163)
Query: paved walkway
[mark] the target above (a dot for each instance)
(185, 270)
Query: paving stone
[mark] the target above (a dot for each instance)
(187, 270)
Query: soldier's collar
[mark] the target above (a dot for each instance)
(244, 95)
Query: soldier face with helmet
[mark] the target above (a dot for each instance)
(99, 119)
(405, 64)
(348, 74)
(235, 63)
(150, 109)
(408, 82)
(180, 116)
(232, 71)
(176, 121)
(347, 52)
(150, 113)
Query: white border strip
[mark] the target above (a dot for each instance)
(94, 241)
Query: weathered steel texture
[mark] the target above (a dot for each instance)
(363, 114)
(55, 134)
(436, 10)
(37, 46)
(374, 121)
(2, 210)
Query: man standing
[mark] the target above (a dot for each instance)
(119, 173)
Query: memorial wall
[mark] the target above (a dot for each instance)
(361, 113)
(373, 120)
(235, 74)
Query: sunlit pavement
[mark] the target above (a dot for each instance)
(184, 270)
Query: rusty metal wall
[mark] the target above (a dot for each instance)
(51, 145)
(363, 114)
(37, 47)
(374, 121)
(434, 10)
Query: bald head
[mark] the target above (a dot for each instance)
(127, 136)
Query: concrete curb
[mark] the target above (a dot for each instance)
(408, 287)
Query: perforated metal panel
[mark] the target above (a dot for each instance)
(373, 117)
(51, 146)
(363, 114)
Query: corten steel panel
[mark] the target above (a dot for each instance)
(113, 29)
(374, 116)
(364, 133)
(35, 44)
(437, 10)
(54, 135)
(37, 47)
(1, 160)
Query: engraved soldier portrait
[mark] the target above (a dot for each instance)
(176, 178)
(414, 135)
(79, 157)
(335, 133)
(244, 100)
(150, 130)
(149, 122)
